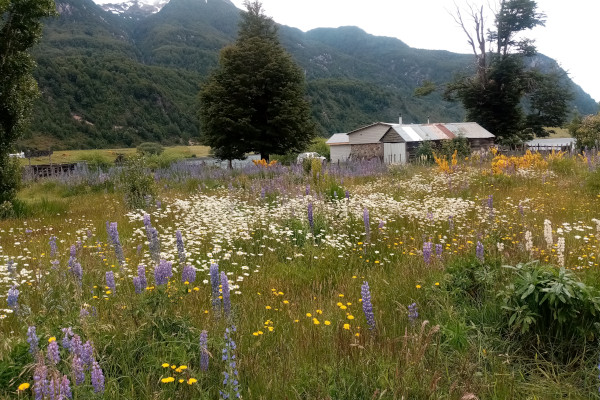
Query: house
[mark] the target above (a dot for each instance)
(398, 143)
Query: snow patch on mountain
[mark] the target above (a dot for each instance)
(132, 7)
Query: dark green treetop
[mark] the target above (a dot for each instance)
(254, 101)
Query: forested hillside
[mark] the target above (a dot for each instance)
(110, 80)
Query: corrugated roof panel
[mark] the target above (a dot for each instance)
(446, 131)
(469, 130)
(413, 136)
(436, 132)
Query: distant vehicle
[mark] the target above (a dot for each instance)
(311, 154)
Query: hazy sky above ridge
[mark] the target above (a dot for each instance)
(570, 34)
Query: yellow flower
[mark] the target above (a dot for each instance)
(270, 328)
(357, 334)
(319, 312)
(316, 321)
(308, 314)
(347, 326)
(181, 380)
(343, 307)
(268, 307)
(23, 386)
(350, 316)
(52, 339)
(165, 365)
(327, 322)
(183, 367)
(437, 284)
(286, 302)
(167, 380)
(418, 286)
(191, 381)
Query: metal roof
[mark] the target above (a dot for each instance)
(338, 138)
(421, 132)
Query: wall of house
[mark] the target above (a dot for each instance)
(391, 136)
(481, 143)
(339, 153)
(366, 151)
(370, 134)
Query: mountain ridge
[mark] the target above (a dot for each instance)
(130, 79)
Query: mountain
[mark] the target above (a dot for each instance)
(124, 73)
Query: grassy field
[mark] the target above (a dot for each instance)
(364, 282)
(70, 156)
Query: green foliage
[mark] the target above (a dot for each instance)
(460, 144)
(255, 101)
(563, 166)
(469, 279)
(285, 159)
(136, 183)
(425, 151)
(96, 161)
(587, 132)
(551, 303)
(149, 148)
(20, 29)
(504, 96)
(592, 182)
(319, 145)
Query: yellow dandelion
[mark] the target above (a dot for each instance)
(308, 314)
(343, 307)
(191, 381)
(181, 380)
(182, 367)
(437, 284)
(268, 307)
(52, 339)
(167, 380)
(166, 365)
(23, 386)
(357, 334)
(270, 328)
(286, 302)
(327, 322)
(347, 327)
(319, 312)
(260, 332)
(350, 316)
(316, 321)
(418, 286)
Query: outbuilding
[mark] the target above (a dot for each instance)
(397, 143)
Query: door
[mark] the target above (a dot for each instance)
(394, 153)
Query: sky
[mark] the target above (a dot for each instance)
(569, 37)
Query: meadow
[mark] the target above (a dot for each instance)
(467, 279)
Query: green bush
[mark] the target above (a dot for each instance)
(150, 148)
(285, 159)
(136, 182)
(563, 166)
(592, 181)
(96, 161)
(551, 303)
(425, 151)
(468, 277)
(460, 144)
(319, 145)
(10, 178)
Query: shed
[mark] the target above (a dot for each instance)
(339, 147)
(397, 143)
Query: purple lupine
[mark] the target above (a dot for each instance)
(53, 353)
(139, 249)
(113, 234)
(141, 271)
(367, 305)
(311, 221)
(55, 264)
(381, 225)
(147, 222)
(83, 313)
(53, 247)
(225, 292)
(307, 191)
(33, 340)
(439, 249)
(521, 210)
(413, 313)
(137, 284)
(73, 251)
(180, 248)
(347, 195)
(87, 354)
(66, 340)
(479, 251)
(427, 249)
(110, 281)
(231, 386)
(40, 380)
(162, 272)
(366, 221)
(188, 274)
(204, 351)
(97, 378)
(10, 267)
(263, 193)
(65, 388)
(158, 204)
(77, 369)
(214, 283)
(77, 272)
(76, 346)
(154, 244)
(12, 297)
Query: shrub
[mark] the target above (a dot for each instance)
(319, 145)
(551, 303)
(592, 181)
(96, 161)
(150, 148)
(10, 178)
(136, 182)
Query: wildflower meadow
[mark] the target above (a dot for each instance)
(474, 278)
